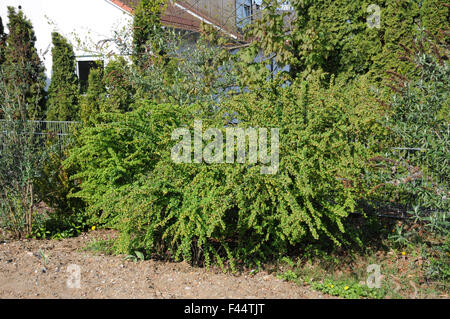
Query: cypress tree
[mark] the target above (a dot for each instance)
(399, 25)
(119, 88)
(24, 72)
(2, 43)
(435, 16)
(63, 91)
(2, 58)
(146, 24)
(92, 102)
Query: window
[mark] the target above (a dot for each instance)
(247, 10)
(243, 12)
(285, 6)
(84, 68)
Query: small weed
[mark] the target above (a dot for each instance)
(100, 246)
(137, 256)
(288, 276)
(44, 256)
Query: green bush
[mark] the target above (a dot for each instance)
(416, 171)
(22, 82)
(418, 110)
(114, 152)
(57, 226)
(54, 183)
(21, 158)
(418, 118)
(201, 212)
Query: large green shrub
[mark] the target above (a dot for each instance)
(201, 212)
(418, 121)
(112, 153)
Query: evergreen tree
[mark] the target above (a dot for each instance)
(146, 25)
(92, 102)
(24, 71)
(2, 57)
(399, 23)
(2, 43)
(119, 88)
(63, 91)
(435, 16)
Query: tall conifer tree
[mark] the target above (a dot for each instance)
(92, 102)
(2, 42)
(119, 88)
(146, 24)
(24, 71)
(63, 91)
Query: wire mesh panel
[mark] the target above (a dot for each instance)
(429, 163)
(55, 129)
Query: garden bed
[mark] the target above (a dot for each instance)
(38, 269)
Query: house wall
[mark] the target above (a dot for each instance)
(89, 20)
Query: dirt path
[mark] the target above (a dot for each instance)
(25, 274)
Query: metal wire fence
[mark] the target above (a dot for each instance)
(404, 165)
(420, 164)
(419, 175)
(59, 129)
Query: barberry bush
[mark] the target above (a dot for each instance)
(230, 212)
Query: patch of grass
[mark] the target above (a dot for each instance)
(349, 289)
(100, 246)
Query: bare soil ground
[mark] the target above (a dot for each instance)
(26, 273)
